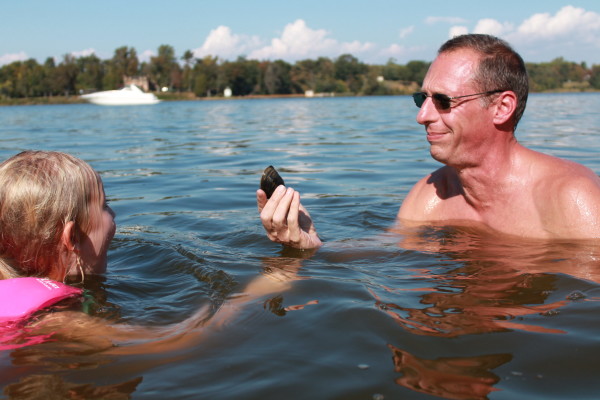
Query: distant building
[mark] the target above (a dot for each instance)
(140, 81)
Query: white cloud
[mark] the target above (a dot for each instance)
(355, 47)
(299, 41)
(83, 53)
(492, 27)
(566, 22)
(394, 51)
(457, 30)
(570, 32)
(401, 53)
(406, 31)
(223, 43)
(146, 55)
(12, 57)
(538, 37)
(445, 20)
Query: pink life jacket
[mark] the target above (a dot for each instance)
(20, 298)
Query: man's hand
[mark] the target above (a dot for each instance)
(286, 220)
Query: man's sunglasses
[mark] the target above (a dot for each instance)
(442, 101)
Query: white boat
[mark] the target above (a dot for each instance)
(129, 95)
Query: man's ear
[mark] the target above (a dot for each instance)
(506, 106)
(68, 236)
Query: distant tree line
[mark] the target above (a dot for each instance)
(209, 76)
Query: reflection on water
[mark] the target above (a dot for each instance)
(381, 311)
(450, 378)
(489, 284)
(493, 281)
(54, 387)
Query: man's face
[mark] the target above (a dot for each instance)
(457, 135)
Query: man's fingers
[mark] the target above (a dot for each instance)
(261, 199)
(283, 207)
(267, 207)
(292, 218)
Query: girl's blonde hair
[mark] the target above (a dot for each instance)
(40, 192)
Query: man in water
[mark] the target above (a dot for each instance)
(473, 96)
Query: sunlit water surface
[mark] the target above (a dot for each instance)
(439, 312)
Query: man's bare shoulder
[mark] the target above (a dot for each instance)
(552, 165)
(424, 197)
(564, 176)
(568, 195)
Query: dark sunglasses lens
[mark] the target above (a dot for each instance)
(419, 98)
(443, 101)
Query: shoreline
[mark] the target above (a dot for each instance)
(187, 96)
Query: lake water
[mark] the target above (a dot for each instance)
(441, 312)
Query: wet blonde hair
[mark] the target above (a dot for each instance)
(40, 192)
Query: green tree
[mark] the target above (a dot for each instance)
(351, 71)
(187, 75)
(326, 82)
(126, 61)
(123, 63)
(164, 69)
(205, 77)
(277, 78)
(23, 79)
(303, 75)
(65, 75)
(556, 74)
(241, 76)
(91, 73)
(35, 78)
(542, 77)
(49, 84)
(416, 71)
(595, 77)
(371, 83)
(210, 76)
(392, 71)
(9, 76)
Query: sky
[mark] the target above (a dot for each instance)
(374, 31)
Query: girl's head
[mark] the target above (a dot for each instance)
(53, 216)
